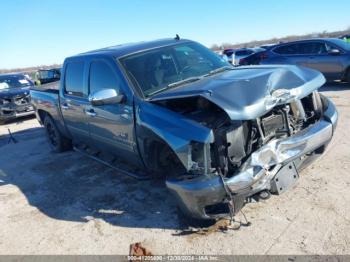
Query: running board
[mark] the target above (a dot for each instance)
(138, 176)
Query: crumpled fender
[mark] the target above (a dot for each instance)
(174, 129)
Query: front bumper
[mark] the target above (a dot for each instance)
(196, 195)
(11, 112)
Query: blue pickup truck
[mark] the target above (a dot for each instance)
(219, 136)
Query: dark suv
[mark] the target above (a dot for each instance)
(330, 56)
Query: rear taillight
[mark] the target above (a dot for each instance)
(263, 55)
(242, 61)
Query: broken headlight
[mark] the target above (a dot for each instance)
(4, 101)
(199, 158)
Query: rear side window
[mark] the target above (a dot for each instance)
(287, 49)
(74, 78)
(244, 52)
(102, 77)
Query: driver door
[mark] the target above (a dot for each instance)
(111, 126)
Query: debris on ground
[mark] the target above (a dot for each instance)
(137, 249)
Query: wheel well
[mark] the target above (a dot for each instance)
(347, 71)
(42, 114)
(155, 149)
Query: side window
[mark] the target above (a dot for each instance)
(330, 46)
(74, 78)
(306, 48)
(319, 48)
(287, 49)
(102, 77)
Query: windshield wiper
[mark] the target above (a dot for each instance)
(219, 70)
(178, 83)
(185, 81)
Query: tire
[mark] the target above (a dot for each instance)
(57, 141)
(347, 76)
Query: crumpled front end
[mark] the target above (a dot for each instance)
(15, 106)
(272, 168)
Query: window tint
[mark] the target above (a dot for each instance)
(74, 78)
(102, 77)
(244, 52)
(287, 49)
(306, 48)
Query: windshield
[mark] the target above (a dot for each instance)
(156, 70)
(13, 81)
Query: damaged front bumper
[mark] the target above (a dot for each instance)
(272, 168)
(14, 111)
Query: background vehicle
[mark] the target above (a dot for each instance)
(346, 38)
(218, 135)
(14, 96)
(253, 59)
(234, 55)
(330, 56)
(48, 75)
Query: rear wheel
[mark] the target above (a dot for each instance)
(57, 141)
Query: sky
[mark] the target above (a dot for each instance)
(37, 32)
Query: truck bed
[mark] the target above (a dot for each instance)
(49, 87)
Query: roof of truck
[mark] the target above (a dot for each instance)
(125, 49)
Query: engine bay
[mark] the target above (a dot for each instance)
(235, 140)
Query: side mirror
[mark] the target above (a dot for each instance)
(106, 97)
(334, 52)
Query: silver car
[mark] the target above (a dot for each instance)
(330, 56)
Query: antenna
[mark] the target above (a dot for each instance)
(177, 37)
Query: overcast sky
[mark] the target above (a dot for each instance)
(36, 32)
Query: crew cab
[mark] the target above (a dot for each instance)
(219, 136)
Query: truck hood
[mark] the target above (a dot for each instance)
(11, 92)
(249, 92)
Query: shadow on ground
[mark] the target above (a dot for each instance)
(72, 187)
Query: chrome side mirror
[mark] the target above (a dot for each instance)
(334, 52)
(106, 97)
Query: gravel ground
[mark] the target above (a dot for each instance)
(69, 204)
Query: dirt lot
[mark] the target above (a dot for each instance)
(69, 204)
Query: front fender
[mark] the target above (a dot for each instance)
(174, 129)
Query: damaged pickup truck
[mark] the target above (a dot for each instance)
(220, 136)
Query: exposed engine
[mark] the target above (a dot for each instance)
(236, 140)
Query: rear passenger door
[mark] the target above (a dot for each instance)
(73, 100)
(111, 126)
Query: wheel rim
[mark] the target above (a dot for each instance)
(51, 133)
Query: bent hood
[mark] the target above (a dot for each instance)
(11, 92)
(249, 92)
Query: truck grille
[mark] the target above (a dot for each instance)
(21, 100)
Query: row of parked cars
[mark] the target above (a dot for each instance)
(330, 56)
(15, 100)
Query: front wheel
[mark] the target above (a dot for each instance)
(57, 141)
(347, 76)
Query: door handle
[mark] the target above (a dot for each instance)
(90, 112)
(65, 106)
